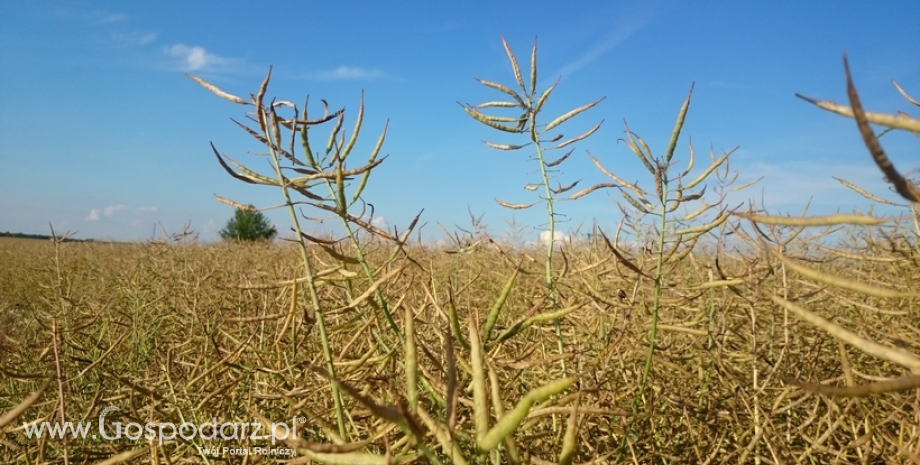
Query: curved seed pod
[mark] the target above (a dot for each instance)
(675, 134)
(591, 189)
(480, 399)
(499, 303)
(545, 95)
(570, 439)
(335, 131)
(556, 162)
(259, 98)
(581, 136)
(696, 213)
(305, 138)
(644, 207)
(616, 178)
(354, 133)
(830, 220)
(691, 197)
(892, 121)
(507, 424)
(528, 322)
(645, 159)
(702, 177)
(867, 194)
(839, 281)
(747, 184)
(533, 67)
(692, 156)
(303, 180)
(514, 64)
(233, 204)
(901, 185)
(904, 94)
(905, 383)
(891, 354)
(570, 115)
(501, 119)
(496, 104)
(660, 180)
(515, 206)
(504, 146)
(248, 175)
(703, 228)
(563, 189)
(370, 160)
(15, 412)
(218, 92)
(504, 89)
(487, 120)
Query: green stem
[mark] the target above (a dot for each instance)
(311, 286)
(369, 274)
(550, 285)
(653, 332)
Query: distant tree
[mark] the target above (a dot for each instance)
(248, 225)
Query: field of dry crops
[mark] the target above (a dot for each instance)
(695, 332)
(187, 332)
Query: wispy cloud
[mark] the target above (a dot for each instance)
(197, 58)
(112, 18)
(147, 38)
(792, 184)
(625, 21)
(346, 73)
(97, 213)
(91, 15)
(113, 209)
(615, 36)
(148, 209)
(135, 38)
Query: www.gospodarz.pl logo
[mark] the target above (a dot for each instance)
(209, 431)
(166, 431)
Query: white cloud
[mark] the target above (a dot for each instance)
(558, 236)
(147, 38)
(790, 184)
(148, 209)
(93, 215)
(380, 222)
(106, 18)
(113, 209)
(347, 73)
(135, 38)
(195, 58)
(89, 15)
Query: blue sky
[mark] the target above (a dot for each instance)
(102, 133)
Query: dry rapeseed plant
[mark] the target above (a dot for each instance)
(530, 105)
(675, 236)
(906, 189)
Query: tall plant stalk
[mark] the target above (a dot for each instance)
(530, 104)
(333, 174)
